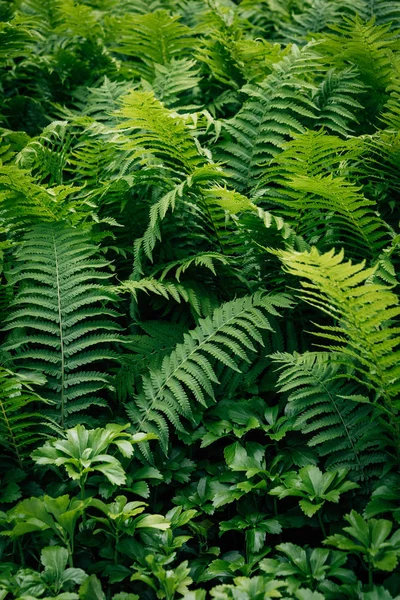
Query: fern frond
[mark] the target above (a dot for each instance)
(21, 422)
(270, 117)
(369, 48)
(188, 372)
(173, 80)
(153, 39)
(167, 289)
(366, 335)
(208, 260)
(59, 320)
(337, 100)
(343, 430)
(160, 130)
(332, 202)
(307, 180)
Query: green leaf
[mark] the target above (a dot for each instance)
(91, 589)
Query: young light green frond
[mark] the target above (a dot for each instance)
(57, 320)
(162, 132)
(366, 335)
(188, 372)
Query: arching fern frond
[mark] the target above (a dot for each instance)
(308, 182)
(337, 100)
(327, 410)
(21, 419)
(159, 130)
(367, 47)
(321, 203)
(167, 289)
(60, 322)
(188, 372)
(152, 39)
(270, 117)
(365, 335)
(208, 260)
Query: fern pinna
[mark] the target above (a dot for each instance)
(188, 373)
(365, 334)
(339, 423)
(61, 323)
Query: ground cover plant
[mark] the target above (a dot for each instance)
(199, 248)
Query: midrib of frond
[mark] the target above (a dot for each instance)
(196, 349)
(380, 376)
(10, 431)
(60, 321)
(332, 400)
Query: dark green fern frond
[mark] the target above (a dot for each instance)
(270, 117)
(337, 100)
(316, 17)
(175, 82)
(101, 101)
(391, 110)
(367, 47)
(306, 179)
(318, 204)
(188, 372)
(366, 334)
(331, 413)
(21, 418)
(385, 12)
(152, 39)
(60, 322)
(167, 289)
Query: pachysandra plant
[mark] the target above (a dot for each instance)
(199, 299)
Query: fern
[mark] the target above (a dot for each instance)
(337, 101)
(384, 12)
(21, 423)
(367, 47)
(269, 118)
(166, 289)
(317, 16)
(308, 181)
(152, 39)
(188, 372)
(60, 322)
(328, 410)
(365, 336)
(159, 129)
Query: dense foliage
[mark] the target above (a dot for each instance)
(199, 247)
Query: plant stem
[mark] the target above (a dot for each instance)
(321, 523)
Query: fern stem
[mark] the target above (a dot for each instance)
(61, 332)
